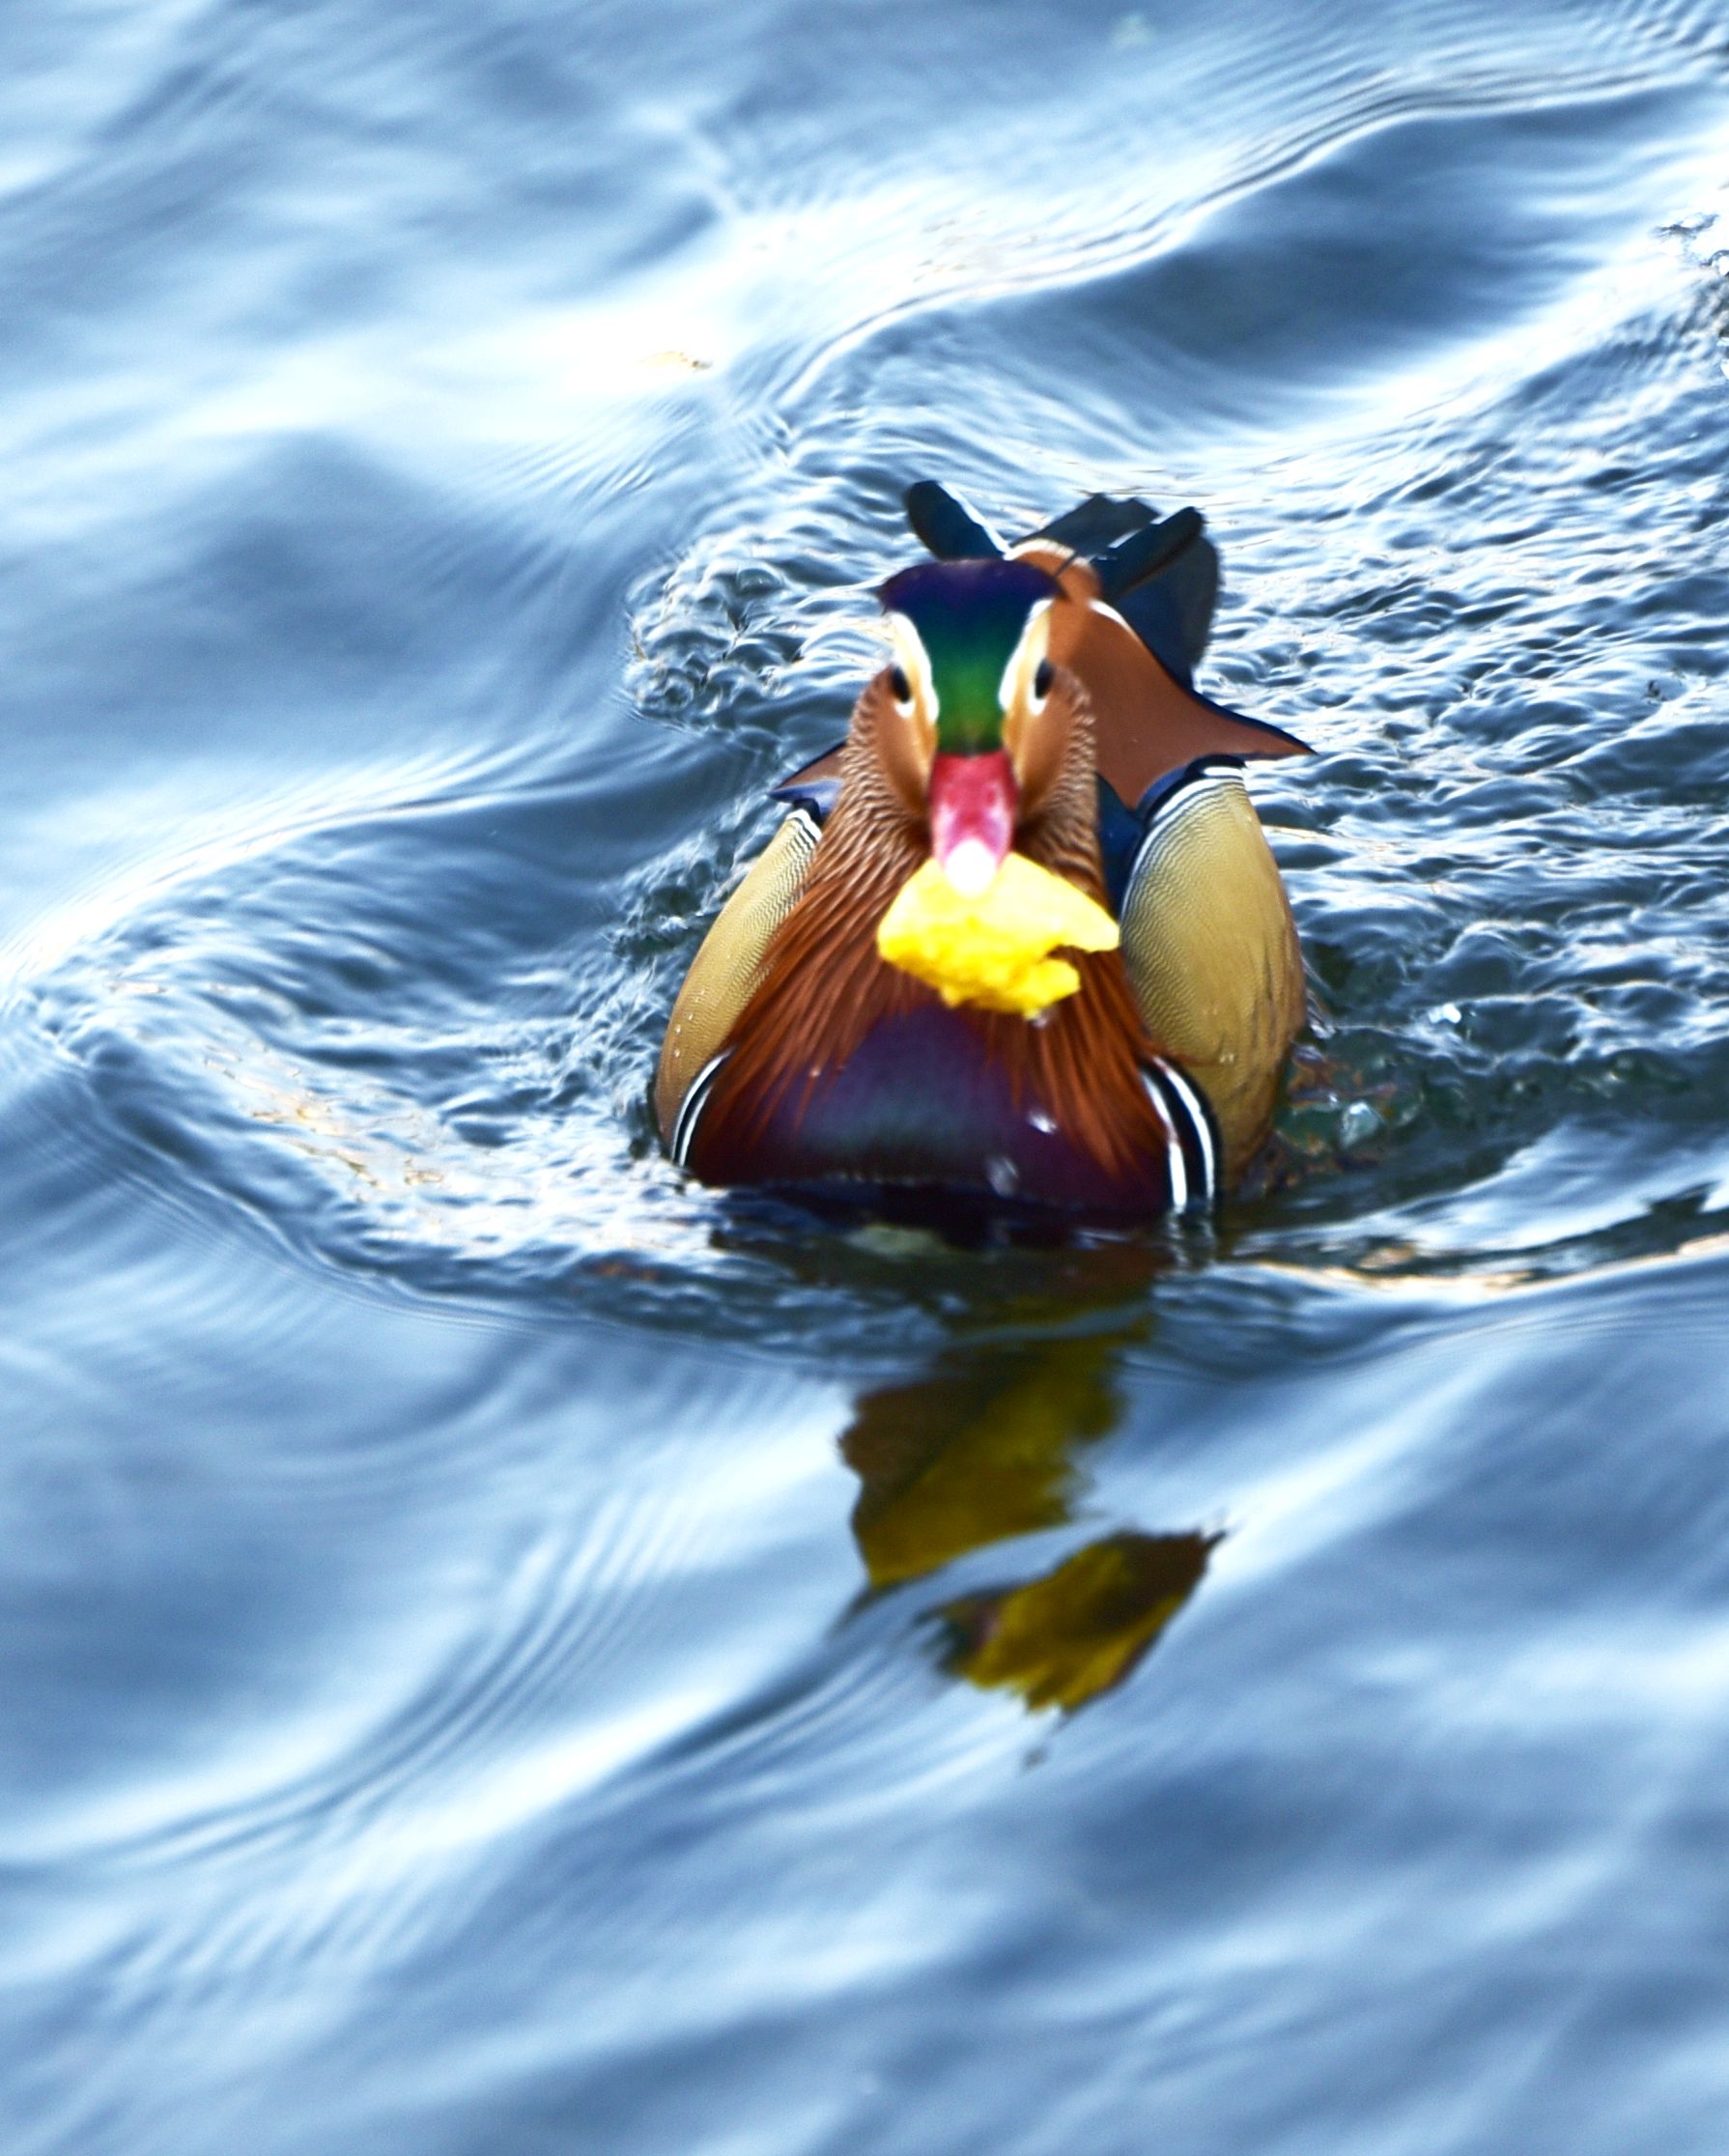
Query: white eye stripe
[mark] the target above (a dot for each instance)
(914, 662)
(1026, 659)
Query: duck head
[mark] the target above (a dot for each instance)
(973, 719)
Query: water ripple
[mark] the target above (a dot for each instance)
(461, 1690)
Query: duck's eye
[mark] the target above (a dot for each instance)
(1042, 679)
(899, 687)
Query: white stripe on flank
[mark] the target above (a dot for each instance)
(1175, 1167)
(1186, 1092)
(689, 1109)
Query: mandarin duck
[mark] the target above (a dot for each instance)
(1019, 937)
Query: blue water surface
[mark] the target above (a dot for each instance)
(509, 1652)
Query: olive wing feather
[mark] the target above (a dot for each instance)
(727, 969)
(1212, 955)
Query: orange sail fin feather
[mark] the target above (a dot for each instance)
(977, 961)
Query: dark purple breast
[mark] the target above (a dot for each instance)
(922, 1102)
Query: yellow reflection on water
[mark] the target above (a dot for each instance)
(1063, 1639)
(975, 1453)
(985, 1447)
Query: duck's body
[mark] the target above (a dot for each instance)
(1028, 711)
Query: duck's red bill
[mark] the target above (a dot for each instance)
(974, 803)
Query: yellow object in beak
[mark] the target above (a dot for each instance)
(993, 950)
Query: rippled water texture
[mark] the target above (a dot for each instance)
(507, 1651)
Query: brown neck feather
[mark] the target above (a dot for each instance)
(824, 986)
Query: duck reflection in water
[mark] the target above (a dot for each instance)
(981, 1450)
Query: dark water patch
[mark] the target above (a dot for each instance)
(1286, 303)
